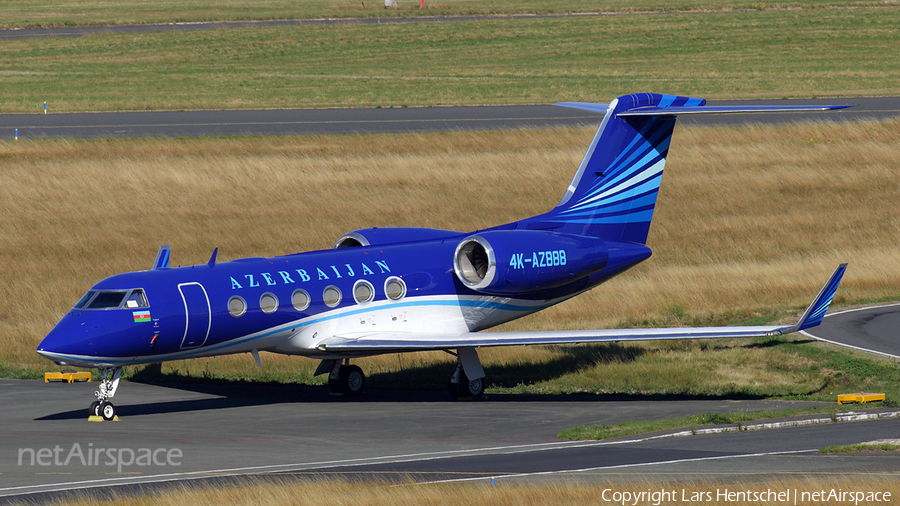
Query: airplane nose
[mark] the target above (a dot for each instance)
(61, 339)
(52, 345)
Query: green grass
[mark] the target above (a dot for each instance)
(35, 13)
(694, 422)
(787, 368)
(860, 448)
(7, 371)
(774, 54)
(598, 432)
(823, 371)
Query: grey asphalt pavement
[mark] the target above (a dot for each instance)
(190, 432)
(388, 120)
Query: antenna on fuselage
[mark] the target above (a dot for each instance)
(212, 259)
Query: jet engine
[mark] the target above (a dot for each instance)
(506, 262)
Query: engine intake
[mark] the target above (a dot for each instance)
(506, 262)
(475, 263)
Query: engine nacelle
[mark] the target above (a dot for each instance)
(506, 262)
(391, 235)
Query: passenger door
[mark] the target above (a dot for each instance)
(198, 316)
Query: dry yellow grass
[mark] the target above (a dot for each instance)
(512, 491)
(747, 219)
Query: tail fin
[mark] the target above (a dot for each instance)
(613, 194)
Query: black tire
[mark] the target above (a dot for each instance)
(107, 411)
(94, 409)
(352, 380)
(466, 388)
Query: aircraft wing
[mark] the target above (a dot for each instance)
(388, 342)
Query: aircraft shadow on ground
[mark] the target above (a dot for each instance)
(419, 383)
(775, 342)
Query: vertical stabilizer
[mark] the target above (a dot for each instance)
(613, 194)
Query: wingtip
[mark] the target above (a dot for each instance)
(816, 311)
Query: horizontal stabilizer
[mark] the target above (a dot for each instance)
(387, 342)
(699, 109)
(722, 109)
(585, 106)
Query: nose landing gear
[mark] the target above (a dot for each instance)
(109, 382)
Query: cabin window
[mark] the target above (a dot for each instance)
(268, 303)
(300, 299)
(331, 296)
(237, 306)
(363, 292)
(394, 288)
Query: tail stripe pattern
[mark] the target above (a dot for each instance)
(628, 192)
(614, 192)
(645, 149)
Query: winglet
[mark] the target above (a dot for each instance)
(816, 311)
(212, 259)
(162, 258)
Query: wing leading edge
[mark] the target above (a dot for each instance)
(386, 342)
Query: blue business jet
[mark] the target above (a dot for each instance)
(392, 290)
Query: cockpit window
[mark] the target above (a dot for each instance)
(107, 299)
(84, 300)
(113, 299)
(136, 299)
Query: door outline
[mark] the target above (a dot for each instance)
(187, 316)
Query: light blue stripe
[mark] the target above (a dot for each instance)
(648, 144)
(650, 184)
(602, 206)
(631, 219)
(306, 323)
(647, 150)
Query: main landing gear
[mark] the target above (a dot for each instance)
(344, 378)
(467, 380)
(109, 381)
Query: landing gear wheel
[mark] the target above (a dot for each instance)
(466, 388)
(107, 411)
(352, 380)
(94, 409)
